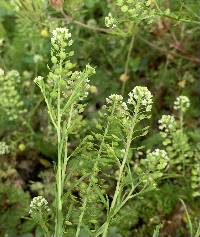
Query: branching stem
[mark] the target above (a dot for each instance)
(121, 173)
(95, 167)
(128, 58)
(59, 219)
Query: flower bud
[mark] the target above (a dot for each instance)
(58, 4)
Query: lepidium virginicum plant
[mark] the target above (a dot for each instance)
(63, 91)
(109, 147)
(174, 137)
(183, 152)
(11, 103)
(136, 110)
(119, 125)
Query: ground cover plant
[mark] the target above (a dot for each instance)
(99, 118)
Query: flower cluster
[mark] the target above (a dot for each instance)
(182, 103)
(168, 127)
(110, 21)
(3, 148)
(38, 79)
(175, 139)
(64, 85)
(60, 40)
(11, 102)
(167, 123)
(142, 96)
(61, 36)
(78, 76)
(114, 98)
(138, 10)
(152, 167)
(156, 155)
(118, 100)
(115, 102)
(38, 205)
(131, 112)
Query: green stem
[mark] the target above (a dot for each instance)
(118, 187)
(66, 157)
(129, 196)
(59, 217)
(121, 173)
(94, 173)
(51, 114)
(128, 59)
(188, 218)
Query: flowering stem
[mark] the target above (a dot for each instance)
(59, 218)
(66, 157)
(121, 172)
(128, 58)
(128, 197)
(95, 167)
(118, 187)
(50, 111)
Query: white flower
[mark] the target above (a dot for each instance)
(110, 21)
(60, 41)
(114, 98)
(3, 148)
(151, 168)
(141, 95)
(61, 36)
(158, 154)
(124, 105)
(90, 70)
(70, 42)
(38, 204)
(182, 103)
(167, 123)
(157, 159)
(38, 79)
(10, 97)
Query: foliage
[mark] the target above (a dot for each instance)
(14, 203)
